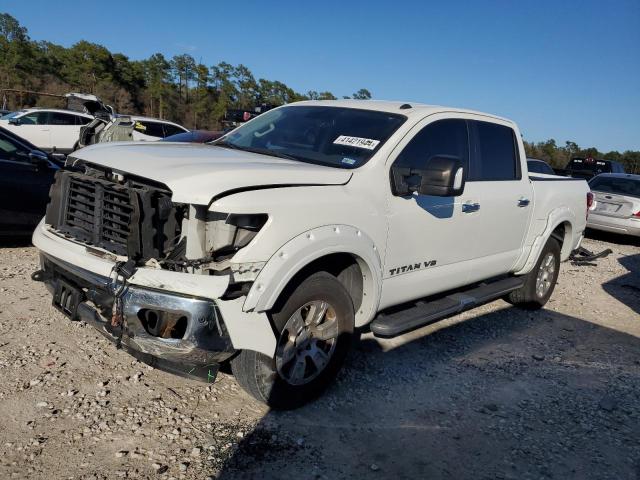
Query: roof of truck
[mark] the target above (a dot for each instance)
(403, 108)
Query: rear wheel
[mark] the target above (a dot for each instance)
(540, 281)
(315, 329)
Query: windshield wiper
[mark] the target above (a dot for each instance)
(263, 151)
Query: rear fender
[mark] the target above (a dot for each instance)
(557, 217)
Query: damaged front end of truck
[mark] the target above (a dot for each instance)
(151, 275)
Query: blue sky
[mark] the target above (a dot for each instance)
(568, 70)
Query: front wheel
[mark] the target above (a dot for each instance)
(315, 328)
(540, 281)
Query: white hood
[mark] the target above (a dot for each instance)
(196, 173)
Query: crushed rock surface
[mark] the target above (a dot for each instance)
(494, 393)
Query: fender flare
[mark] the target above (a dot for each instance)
(557, 217)
(312, 245)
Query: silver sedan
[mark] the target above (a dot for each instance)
(617, 207)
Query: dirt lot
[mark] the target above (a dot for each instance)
(493, 393)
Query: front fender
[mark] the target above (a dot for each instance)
(312, 245)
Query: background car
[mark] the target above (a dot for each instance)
(127, 128)
(48, 129)
(617, 207)
(26, 173)
(152, 129)
(589, 167)
(194, 136)
(539, 166)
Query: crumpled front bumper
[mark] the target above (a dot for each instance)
(203, 338)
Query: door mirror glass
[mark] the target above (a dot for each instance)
(441, 176)
(15, 121)
(38, 158)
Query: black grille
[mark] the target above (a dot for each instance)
(98, 212)
(127, 218)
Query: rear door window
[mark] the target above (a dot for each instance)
(63, 119)
(494, 153)
(34, 118)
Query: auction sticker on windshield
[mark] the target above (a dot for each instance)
(358, 142)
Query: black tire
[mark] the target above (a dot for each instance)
(259, 375)
(528, 296)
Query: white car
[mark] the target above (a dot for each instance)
(270, 247)
(48, 129)
(152, 129)
(617, 206)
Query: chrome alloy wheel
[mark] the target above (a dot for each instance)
(307, 342)
(545, 274)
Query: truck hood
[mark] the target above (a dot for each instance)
(198, 173)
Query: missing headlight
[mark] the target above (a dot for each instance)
(228, 233)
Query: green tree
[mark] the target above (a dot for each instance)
(362, 94)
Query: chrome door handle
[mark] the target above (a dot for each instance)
(470, 207)
(524, 202)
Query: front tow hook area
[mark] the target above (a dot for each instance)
(41, 276)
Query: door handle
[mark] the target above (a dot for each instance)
(470, 207)
(524, 202)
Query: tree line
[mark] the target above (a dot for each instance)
(558, 156)
(178, 88)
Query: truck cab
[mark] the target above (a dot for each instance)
(270, 248)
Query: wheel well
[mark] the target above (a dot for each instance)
(562, 233)
(343, 266)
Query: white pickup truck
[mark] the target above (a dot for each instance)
(272, 248)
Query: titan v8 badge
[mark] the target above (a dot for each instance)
(412, 267)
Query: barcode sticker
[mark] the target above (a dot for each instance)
(358, 142)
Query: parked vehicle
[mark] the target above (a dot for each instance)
(26, 174)
(539, 166)
(48, 129)
(152, 129)
(194, 136)
(269, 248)
(617, 207)
(590, 167)
(118, 128)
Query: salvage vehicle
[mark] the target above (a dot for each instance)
(26, 174)
(270, 249)
(53, 129)
(617, 209)
(118, 128)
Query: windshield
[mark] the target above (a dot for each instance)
(621, 186)
(332, 136)
(11, 115)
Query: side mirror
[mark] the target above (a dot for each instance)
(38, 158)
(442, 176)
(14, 121)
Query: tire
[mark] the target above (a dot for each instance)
(530, 296)
(304, 363)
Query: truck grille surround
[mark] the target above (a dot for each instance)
(124, 217)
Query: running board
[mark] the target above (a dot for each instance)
(422, 313)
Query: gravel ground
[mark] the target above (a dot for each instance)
(493, 393)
